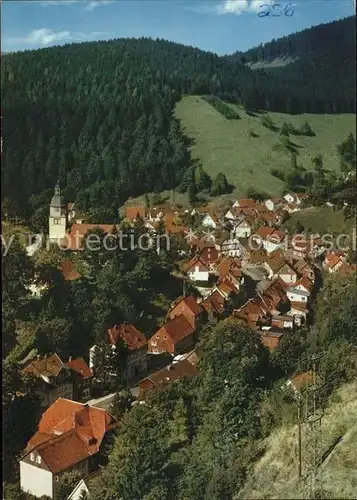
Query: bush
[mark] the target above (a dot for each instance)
(251, 133)
(284, 130)
(292, 130)
(222, 107)
(277, 173)
(267, 122)
(220, 185)
(305, 129)
(256, 195)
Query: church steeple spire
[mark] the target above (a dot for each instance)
(58, 215)
(57, 189)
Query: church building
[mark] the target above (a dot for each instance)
(58, 216)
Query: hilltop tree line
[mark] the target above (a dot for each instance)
(99, 116)
(322, 57)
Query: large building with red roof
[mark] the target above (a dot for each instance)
(70, 437)
(192, 311)
(136, 346)
(174, 337)
(54, 378)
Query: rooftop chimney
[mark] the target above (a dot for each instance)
(70, 358)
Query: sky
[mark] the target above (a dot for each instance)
(220, 26)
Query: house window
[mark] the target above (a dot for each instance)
(57, 221)
(32, 457)
(158, 336)
(38, 460)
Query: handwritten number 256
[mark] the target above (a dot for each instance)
(275, 10)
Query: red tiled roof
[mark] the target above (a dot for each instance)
(74, 433)
(178, 328)
(298, 381)
(332, 259)
(227, 287)
(61, 452)
(209, 255)
(48, 366)
(82, 229)
(190, 303)
(74, 239)
(68, 270)
(246, 202)
(173, 229)
(215, 302)
(306, 283)
(79, 366)
(130, 335)
(133, 212)
(275, 294)
(299, 306)
(196, 261)
(270, 340)
(265, 232)
(229, 265)
(173, 372)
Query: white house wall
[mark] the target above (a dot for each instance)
(36, 481)
(198, 275)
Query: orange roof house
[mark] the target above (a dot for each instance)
(333, 261)
(53, 375)
(47, 367)
(74, 240)
(271, 338)
(301, 380)
(175, 336)
(159, 380)
(132, 213)
(130, 335)
(274, 297)
(209, 255)
(246, 202)
(68, 270)
(227, 288)
(229, 265)
(254, 312)
(214, 304)
(135, 360)
(69, 434)
(188, 307)
(80, 367)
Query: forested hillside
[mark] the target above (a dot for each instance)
(324, 58)
(99, 116)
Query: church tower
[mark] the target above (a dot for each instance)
(58, 216)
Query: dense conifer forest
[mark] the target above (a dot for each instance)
(99, 115)
(322, 56)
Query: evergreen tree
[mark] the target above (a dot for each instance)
(284, 130)
(220, 185)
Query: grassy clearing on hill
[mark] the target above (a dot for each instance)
(321, 220)
(275, 474)
(226, 146)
